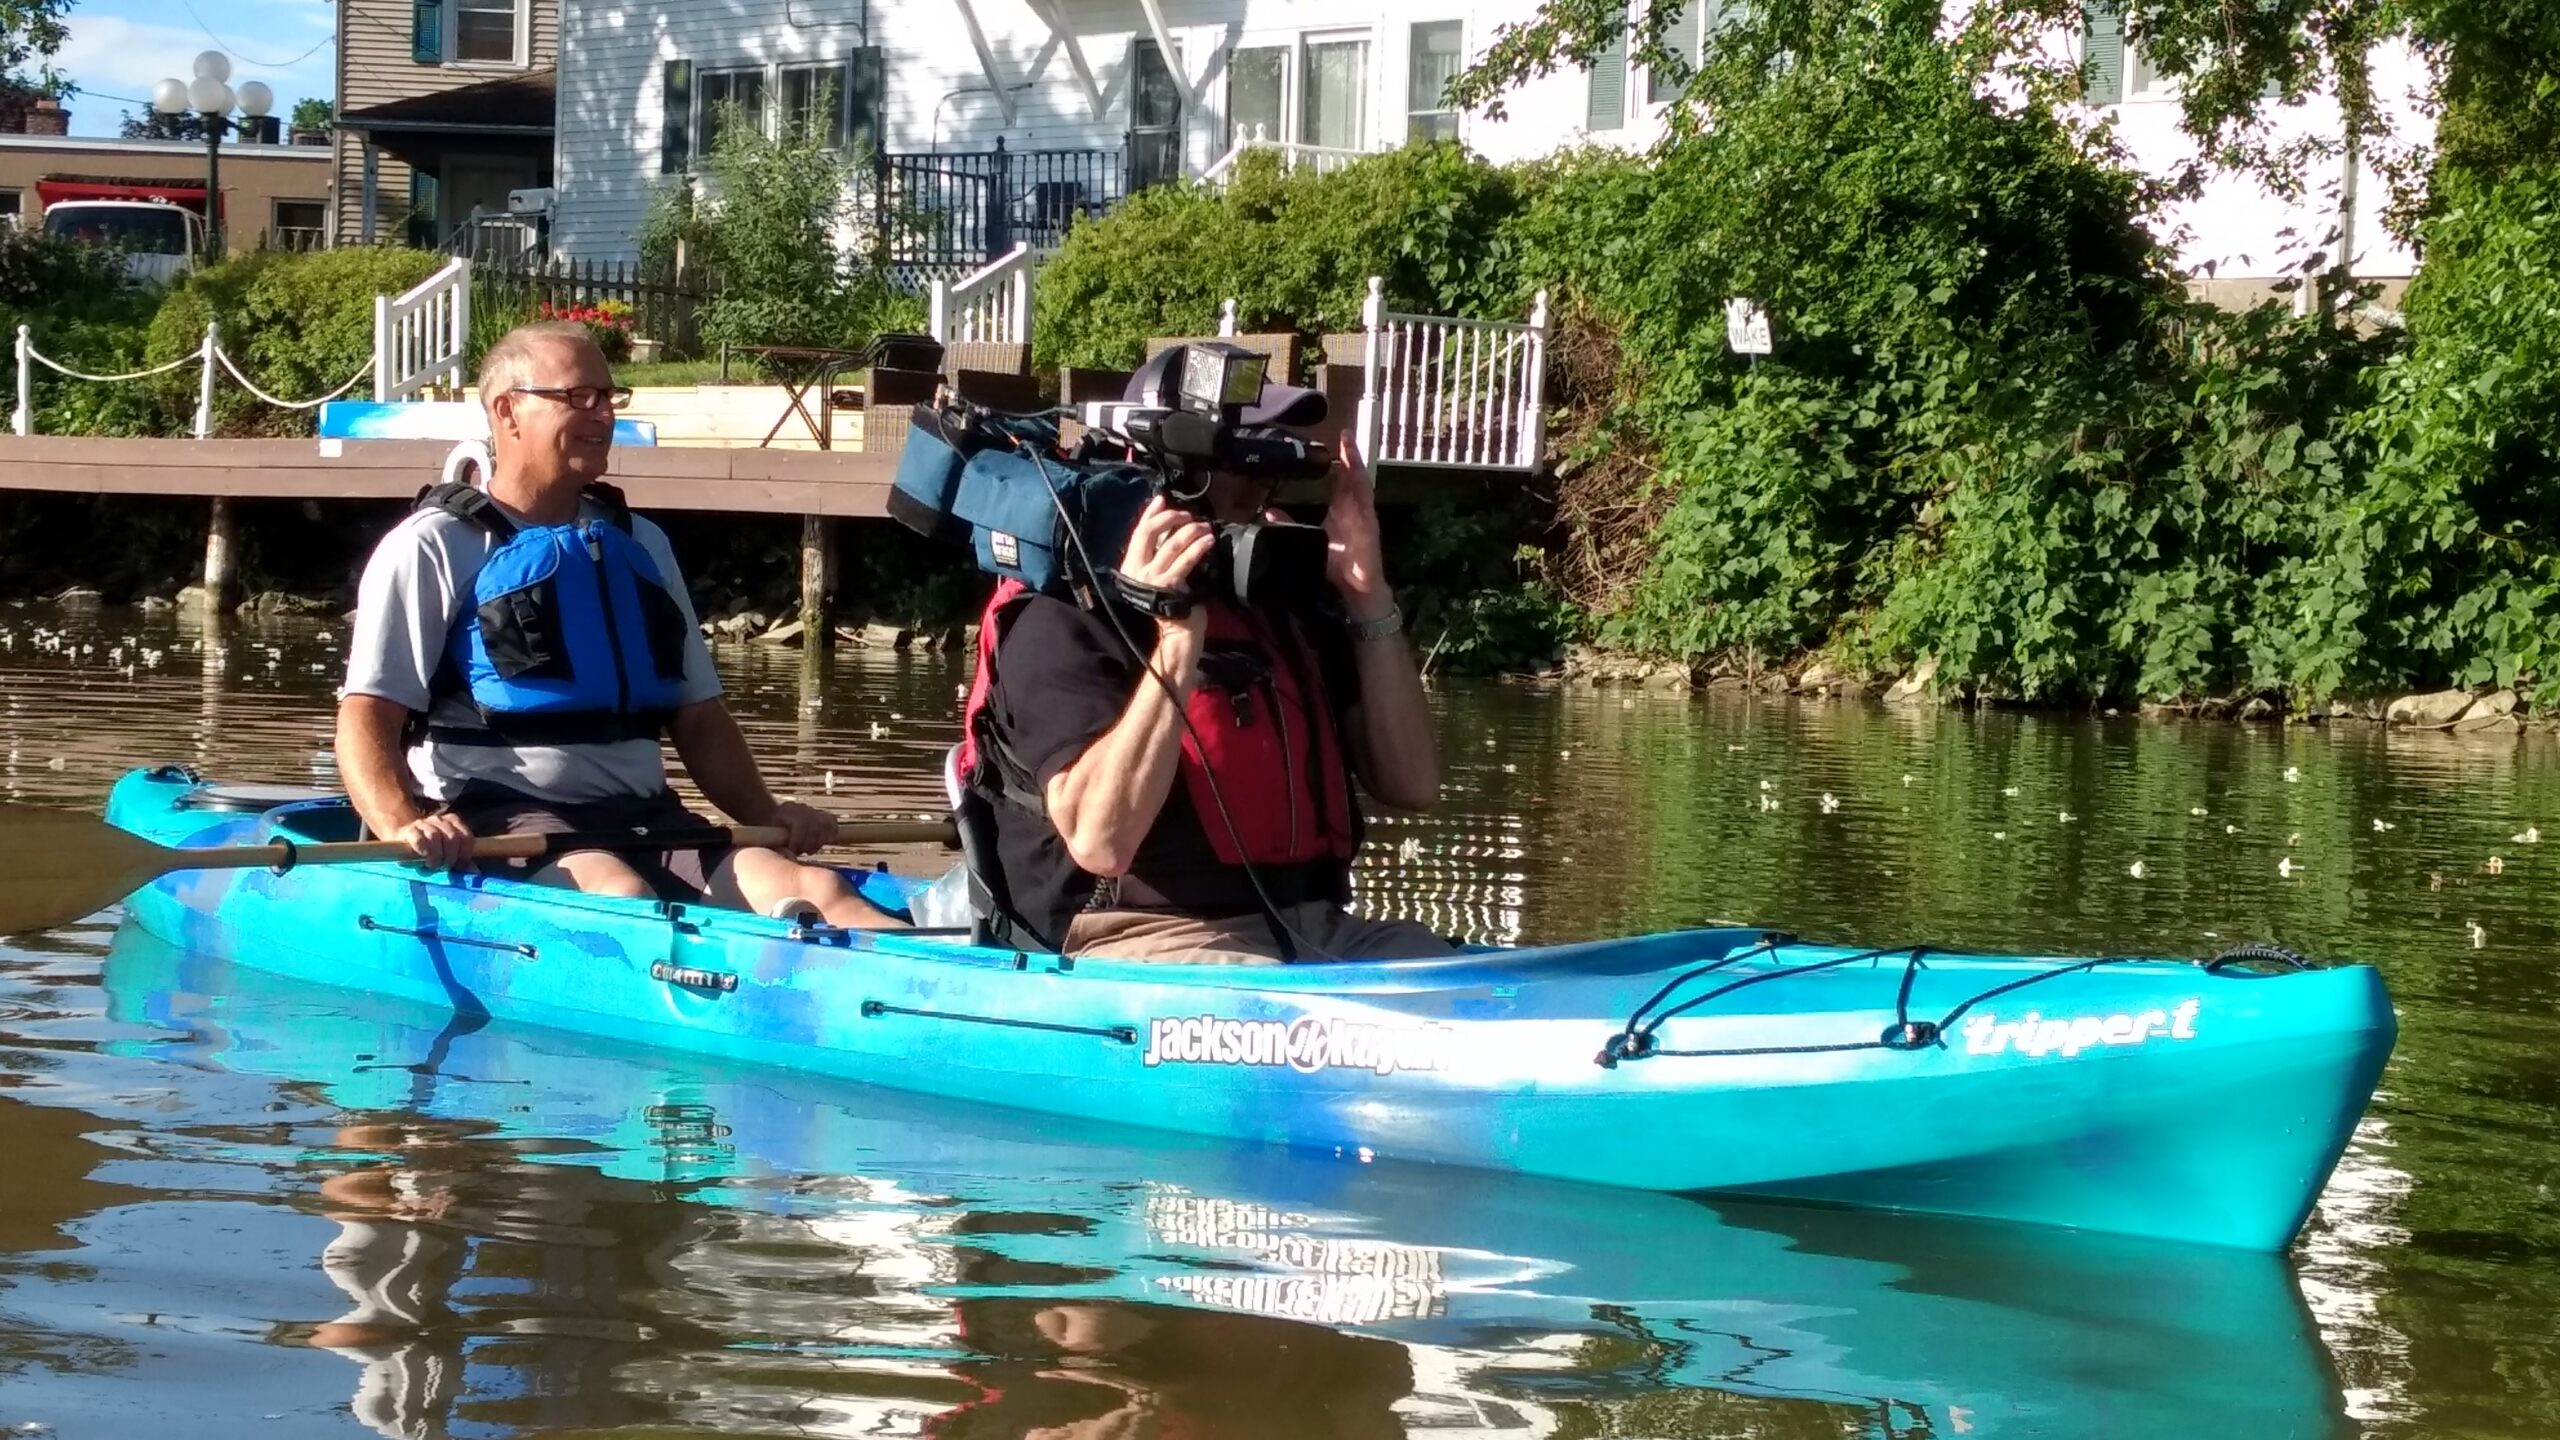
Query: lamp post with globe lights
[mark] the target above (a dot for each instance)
(211, 97)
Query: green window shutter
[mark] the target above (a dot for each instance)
(1608, 87)
(2102, 54)
(866, 88)
(675, 130)
(426, 31)
(1681, 40)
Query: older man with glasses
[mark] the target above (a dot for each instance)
(519, 653)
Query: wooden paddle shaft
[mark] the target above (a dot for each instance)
(534, 847)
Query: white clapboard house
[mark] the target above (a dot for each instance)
(1004, 119)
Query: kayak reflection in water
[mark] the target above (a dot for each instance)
(1109, 1369)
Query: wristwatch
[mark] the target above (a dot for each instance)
(1379, 629)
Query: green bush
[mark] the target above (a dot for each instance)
(1994, 433)
(1295, 251)
(2438, 560)
(81, 310)
(298, 324)
(772, 240)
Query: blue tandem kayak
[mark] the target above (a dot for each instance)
(2154, 1098)
(904, 1220)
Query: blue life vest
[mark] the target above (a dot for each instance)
(574, 637)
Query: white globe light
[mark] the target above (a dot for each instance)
(255, 98)
(209, 96)
(213, 65)
(169, 97)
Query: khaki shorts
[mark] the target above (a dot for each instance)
(1324, 931)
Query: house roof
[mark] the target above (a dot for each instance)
(515, 104)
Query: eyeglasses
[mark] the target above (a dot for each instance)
(580, 397)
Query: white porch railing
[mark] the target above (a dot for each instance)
(422, 336)
(1325, 159)
(988, 306)
(1460, 394)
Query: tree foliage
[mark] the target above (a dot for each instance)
(777, 229)
(31, 33)
(2236, 67)
(1293, 250)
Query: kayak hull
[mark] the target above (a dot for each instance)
(2150, 1098)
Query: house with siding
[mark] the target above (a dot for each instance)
(444, 108)
(996, 121)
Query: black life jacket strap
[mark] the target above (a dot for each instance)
(468, 502)
(465, 501)
(565, 728)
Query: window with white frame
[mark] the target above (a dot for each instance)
(2142, 79)
(487, 32)
(1437, 51)
(1684, 39)
(1311, 88)
(1333, 92)
(725, 95)
(813, 103)
(1258, 92)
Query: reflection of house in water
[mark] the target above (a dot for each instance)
(1459, 874)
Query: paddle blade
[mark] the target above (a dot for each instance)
(57, 866)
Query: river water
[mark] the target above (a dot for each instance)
(250, 1207)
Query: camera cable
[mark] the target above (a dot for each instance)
(1290, 939)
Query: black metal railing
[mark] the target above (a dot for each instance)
(966, 207)
(665, 304)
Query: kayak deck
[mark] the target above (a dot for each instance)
(2144, 1097)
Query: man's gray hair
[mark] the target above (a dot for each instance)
(510, 362)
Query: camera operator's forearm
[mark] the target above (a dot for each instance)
(1105, 802)
(1402, 766)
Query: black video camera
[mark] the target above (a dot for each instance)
(1200, 429)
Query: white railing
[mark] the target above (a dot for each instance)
(988, 306)
(421, 337)
(1460, 394)
(208, 355)
(1324, 159)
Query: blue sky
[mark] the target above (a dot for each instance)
(118, 48)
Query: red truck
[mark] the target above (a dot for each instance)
(158, 225)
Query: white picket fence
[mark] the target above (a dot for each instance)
(1322, 158)
(1457, 394)
(987, 306)
(422, 336)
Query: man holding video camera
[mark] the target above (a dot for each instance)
(1195, 799)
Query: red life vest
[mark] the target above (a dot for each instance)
(1261, 723)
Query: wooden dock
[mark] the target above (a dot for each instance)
(838, 484)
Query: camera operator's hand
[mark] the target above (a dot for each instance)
(1354, 560)
(1165, 546)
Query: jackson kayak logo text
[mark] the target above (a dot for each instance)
(1339, 1281)
(2033, 1034)
(1306, 1044)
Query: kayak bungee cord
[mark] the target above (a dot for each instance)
(1634, 1040)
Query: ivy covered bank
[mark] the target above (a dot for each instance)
(1997, 442)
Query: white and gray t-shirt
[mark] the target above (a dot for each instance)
(416, 588)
